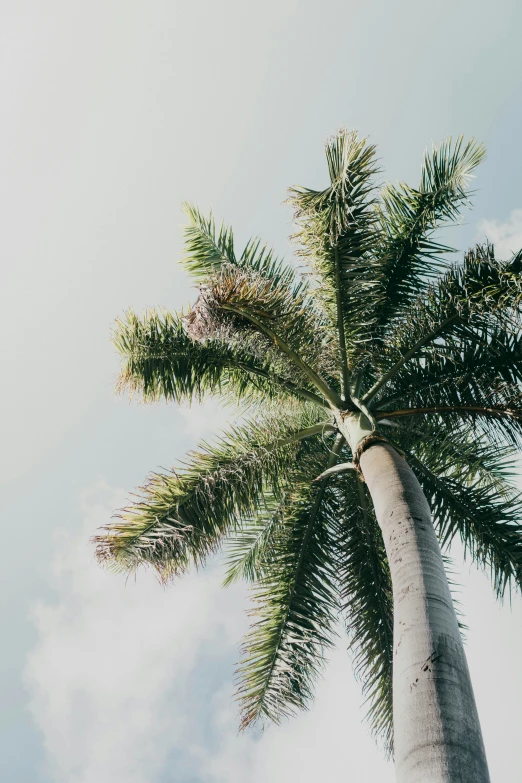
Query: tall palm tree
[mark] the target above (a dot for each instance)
(380, 384)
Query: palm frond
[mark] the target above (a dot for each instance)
(208, 250)
(479, 291)
(476, 376)
(296, 603)
(458, 370)
(501, 424)
(160, 361)
(336, 234)
(180, 517)
(249, 549)
(467, 480)
(408, 255)
(366, 595)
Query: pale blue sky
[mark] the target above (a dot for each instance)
(113, 113)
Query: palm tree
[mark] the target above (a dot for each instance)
(381, 383)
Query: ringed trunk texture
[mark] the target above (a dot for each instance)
(436, 726)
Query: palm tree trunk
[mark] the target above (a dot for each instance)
(436, 726)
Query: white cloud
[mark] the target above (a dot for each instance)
(106, 677)
(506, 236)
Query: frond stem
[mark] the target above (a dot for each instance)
(358, 382)
(291, 387)
(397, 366)
(307, 432)
(340, 326)
(502, 412)
(329, 394)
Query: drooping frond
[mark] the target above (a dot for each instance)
(296, 604)
(336, 234)
(181, 516)
(408, 256)
(160, 361)
(366, 595)
(468, 483)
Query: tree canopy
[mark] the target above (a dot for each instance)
(384, 321)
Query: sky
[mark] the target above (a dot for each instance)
(114, 113)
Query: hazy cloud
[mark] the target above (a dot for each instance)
(107, 676)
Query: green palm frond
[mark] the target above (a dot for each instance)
(487, 524)
(366, 595)
(160, 361)
(476, 376)
(467, 480)
(458, 369)
(336, 234)
(408, 255)
(502, 425)
(296, 604)
(482, 461)
(206, 248)
(479, 291)
(181, 516)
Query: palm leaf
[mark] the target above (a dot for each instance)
(467, 480)
(475, 376)
(208, 250)
(366, 595)
(408, 256)
(181, 516)
(478, 292)
(241, 306)
(160, 361)
(295, 602)
(336, 233)
(249, 549)
(458, 370)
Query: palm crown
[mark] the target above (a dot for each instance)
(381, 325)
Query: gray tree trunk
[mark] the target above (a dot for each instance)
(436, 726)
